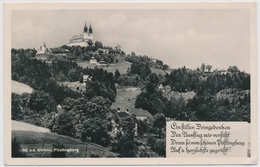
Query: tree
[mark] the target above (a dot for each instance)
(16, 148)
(81, 77)
(90, 43)
(16, 107)
(73, 75)
(233, 69)
(15, 76)
(96, 130)
(57, 150)
(202, 67)
(159, 122)
(165, 67)
(98, 44)
(100, 52)
(117, 75)
(143, 126)
(175, 107)
(159, 62)
(124, 142)
(64, 123)
(209, 67)
(132, 53)
(145, 71)
(40, 101)
(159, 147)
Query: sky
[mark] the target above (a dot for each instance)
(178, 37)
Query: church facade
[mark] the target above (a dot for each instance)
(82, 39)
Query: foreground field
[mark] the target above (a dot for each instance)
(125, 99)
(20, 88)
(39, 141)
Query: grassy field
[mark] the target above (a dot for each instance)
(186, 95)
(158, 71)
(122, 66)
(22, 126)
(231, 94)
(20, 88)
(125, 99)
(35, 140)
(76, 86)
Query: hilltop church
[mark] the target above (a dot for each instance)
(82, 39)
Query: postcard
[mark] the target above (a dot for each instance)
(130, 83)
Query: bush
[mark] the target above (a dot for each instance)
(16, 149)
(57, 150)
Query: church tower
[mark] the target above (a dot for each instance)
(88, 33)
(83, 38)
(85, 33)
(90, 29)
(85, 28)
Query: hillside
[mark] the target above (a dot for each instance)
(75, 86)
(22, 126)
(20, 88)
(122, 66)
(231, 94)
(33, 137)
(125, 99)
(158, 71)
(187, 95)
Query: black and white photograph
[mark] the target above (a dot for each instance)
(103, 80)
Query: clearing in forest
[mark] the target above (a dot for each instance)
(125, 99)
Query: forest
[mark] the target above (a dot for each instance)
(87, 114)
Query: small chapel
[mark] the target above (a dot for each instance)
(82, 39)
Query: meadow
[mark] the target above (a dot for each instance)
(39, 140)
(125, 99)
(20, 88)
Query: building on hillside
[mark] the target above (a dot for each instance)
(154, 60)
(86, 78)
(161, 88)
(102, 51)
(222, 71)
(123, 114)
(93, 61)
(82, 39)
(117, 47)
(42, 52)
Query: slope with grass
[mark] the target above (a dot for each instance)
(20, 88)
(231, 94)
(125, 99)
(157, 71)
(168, 93)
(39, 140)
(121, 66)
(34, 137)
(75, 86)
(22, 126)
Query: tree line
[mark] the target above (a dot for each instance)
(219, 97)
